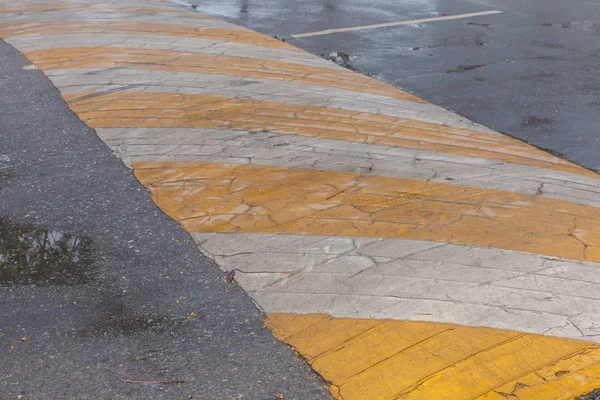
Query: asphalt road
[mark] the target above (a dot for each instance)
(532, 72)
(99, 290)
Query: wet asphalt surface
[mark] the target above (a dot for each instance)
(99, 288)
(532, 72)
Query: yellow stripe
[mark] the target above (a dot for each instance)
(564, 388)
(100, 8)
(165, 60)
(143, 28)
(366, 349)
(150, 110)
(206, 197)
(555, 381)
(434, 361)
(340, 332)
(507, 361)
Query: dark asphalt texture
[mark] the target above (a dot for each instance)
(119, 291)
(595, 395)
(532, 72)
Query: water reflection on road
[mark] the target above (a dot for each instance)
(35, 256)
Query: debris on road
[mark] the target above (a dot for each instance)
(343, 60)
(464, 68)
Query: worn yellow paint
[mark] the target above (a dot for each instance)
(165, 60)
(88, 7)
(498, 365)
(150, 110)
(434, 361)
(566, 387)
(138, 28)
(209, 197)
(340, 332)
(362, 358)
(385, 380)
(368, 348)
(293, 325)
(554, 381)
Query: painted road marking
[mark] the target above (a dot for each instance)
(169, 43)
(212, 197)
(77, 80)
(76, 7)
(182, 3)
(400, 279)
(130, 109)
(172, 19)
(268, 148)
(332, 193)
(204, 32)
(161, 60)
(390, 24)
(368, 359)
(200, 28)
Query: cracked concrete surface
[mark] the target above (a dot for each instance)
(243, 198)
(50, 18)
(263, 148)
(139, 109)
(173, 43)
(195, 62)
(470, 363)
(390, 278)
(289, 92)
(322, 191)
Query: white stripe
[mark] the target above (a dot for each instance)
(94, 16)
(181, 3)
(389, 24)
(240, 147)
(185, 44)
(413, 280)
(301, 93)
(140, 2)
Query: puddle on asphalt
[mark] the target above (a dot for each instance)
(487, 26)
(34, 256)
(536, 122)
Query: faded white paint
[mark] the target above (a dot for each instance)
(392, 24)
(298, 93)
(413, 280)
(171, 43)
(241, 147)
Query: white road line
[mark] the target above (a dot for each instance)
(388, 24)
(399, 279)
(181, 3)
